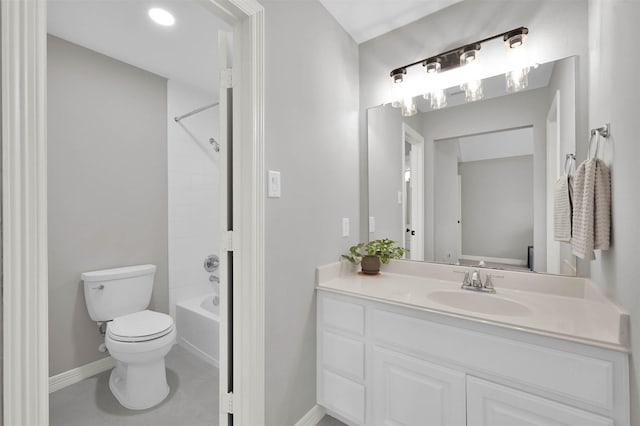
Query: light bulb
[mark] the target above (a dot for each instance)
(398, 87)
(161, 17)
(517, 80)
(472, 90)
(469, 65)
(408, 107)
(435, 94)
(515, 43)
(438, 98)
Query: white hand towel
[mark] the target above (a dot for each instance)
(591, 209)
(562, 210)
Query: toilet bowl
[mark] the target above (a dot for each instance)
(138, 339)
(139, 342)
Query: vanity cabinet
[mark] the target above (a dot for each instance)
(410, 391)
(386, 364)
(489, 404)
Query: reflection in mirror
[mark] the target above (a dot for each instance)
(472, 183)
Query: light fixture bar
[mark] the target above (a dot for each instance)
(450, 58)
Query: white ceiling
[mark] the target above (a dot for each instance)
(122, 30)
(502, 144)
(367, 19)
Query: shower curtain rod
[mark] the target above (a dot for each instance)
(195, 111)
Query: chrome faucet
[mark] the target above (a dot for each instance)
(473, 281)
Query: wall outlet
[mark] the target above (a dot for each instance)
(345, 226)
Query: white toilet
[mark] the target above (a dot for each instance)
(138, 339)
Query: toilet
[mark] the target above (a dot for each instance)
(138, 339)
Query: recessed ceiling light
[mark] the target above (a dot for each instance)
(161, 17)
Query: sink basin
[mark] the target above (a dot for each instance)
(480, 303)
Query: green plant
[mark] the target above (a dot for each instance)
(384, 249)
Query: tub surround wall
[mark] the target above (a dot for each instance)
(613, 99)
(193, 192)
(107, 184)
(311, 133)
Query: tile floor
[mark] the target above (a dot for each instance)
(193, 400)
(330, 421)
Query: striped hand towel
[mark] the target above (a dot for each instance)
(591, 209)
(562, 210)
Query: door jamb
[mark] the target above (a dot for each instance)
(24, 210)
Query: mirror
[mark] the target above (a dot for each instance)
(472, 183)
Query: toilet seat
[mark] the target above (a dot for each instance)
(140, 327)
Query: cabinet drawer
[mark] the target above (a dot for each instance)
(343, 396)
(343, 354)
(342, 315)
(490, 404)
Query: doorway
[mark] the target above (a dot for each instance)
(25, 273)
(413, 192)
(134, 153)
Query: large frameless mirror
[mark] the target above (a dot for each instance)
(472, 183)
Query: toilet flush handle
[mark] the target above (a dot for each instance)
(100, 287)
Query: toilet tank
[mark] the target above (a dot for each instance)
(111, 293)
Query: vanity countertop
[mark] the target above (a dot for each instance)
(567, 308)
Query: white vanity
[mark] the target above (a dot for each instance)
(409, 347)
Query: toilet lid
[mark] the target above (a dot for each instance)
(140, 326)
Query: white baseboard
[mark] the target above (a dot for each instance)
(312, 417)
(67, 378)
(183, 343)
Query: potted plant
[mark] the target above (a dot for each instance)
(370, 255)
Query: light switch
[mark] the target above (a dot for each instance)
(372, 224)
(345, 226)
(399, 197)
(273, 185)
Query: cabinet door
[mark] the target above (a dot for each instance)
(490, 404)
(412, 392)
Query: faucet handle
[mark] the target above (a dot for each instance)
(466, 281)
(488, 283)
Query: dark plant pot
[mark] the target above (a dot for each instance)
(370, 265)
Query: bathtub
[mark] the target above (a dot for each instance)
(198, 327)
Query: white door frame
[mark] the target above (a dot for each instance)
(24, 210)
(411, 136)
(552, 174)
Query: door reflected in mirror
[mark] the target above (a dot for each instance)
(471, 184)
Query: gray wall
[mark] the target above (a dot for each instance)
(497, 207)
(521, 109)
(107, 177)
(311, 125)
(613, 98)
(558, 29)
(385, 159)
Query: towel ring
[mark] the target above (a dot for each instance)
(570, 160)
(597, 135)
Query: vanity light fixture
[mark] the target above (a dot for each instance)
(161, 17)
(515, 42)
(466, 59)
